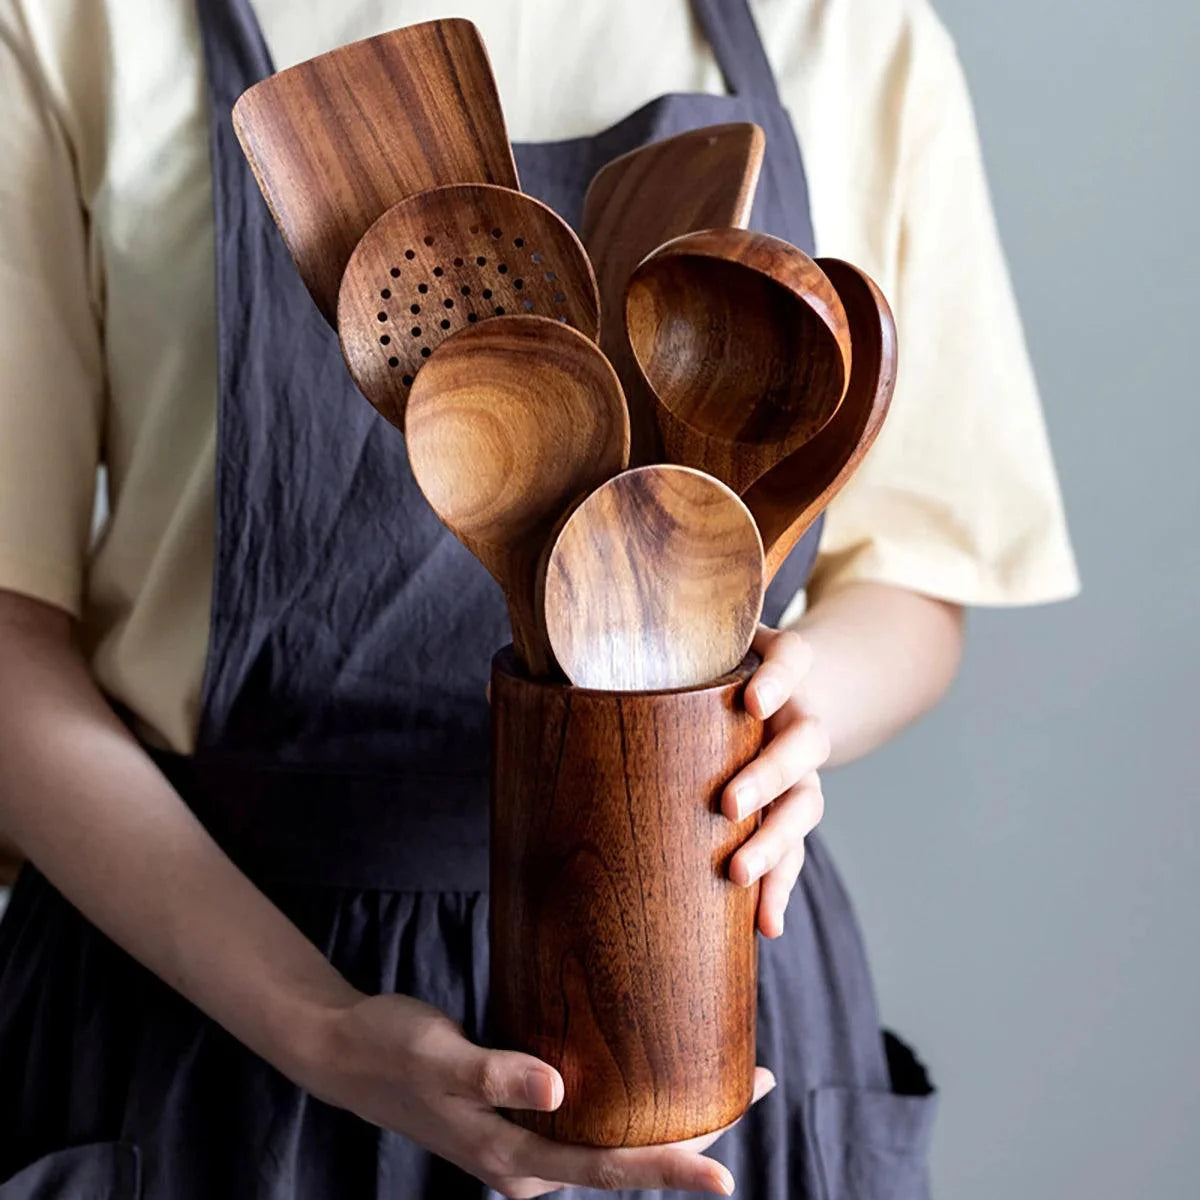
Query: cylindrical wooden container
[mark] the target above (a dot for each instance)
(621, 953)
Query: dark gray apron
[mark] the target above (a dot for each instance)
(342, 763)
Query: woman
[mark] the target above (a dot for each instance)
(248, 761)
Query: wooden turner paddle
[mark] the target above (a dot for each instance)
(336, 141)
(789, 497)
(702, 179)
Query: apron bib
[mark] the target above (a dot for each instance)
(342, 762)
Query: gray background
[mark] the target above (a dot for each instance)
(1025, 860)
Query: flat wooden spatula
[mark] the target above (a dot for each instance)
(703, 179)
(336, 141)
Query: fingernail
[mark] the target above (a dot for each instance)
(768, 1087)
(745, 797)
(752, 865)
(539, 1089)
(724, 1181)
(769, 693)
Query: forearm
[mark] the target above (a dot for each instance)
(882, 656)
(90, 808)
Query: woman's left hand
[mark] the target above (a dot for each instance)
(783, 778)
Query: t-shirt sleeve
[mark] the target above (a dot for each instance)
(959, 497)
(51, 361)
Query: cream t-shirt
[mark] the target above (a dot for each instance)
(108, 326)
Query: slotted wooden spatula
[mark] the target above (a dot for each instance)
(703, 179)
(336, 141)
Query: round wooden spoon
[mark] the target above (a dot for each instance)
(655, 582)
(510, 422)
(744, 343)
(446, 259)
(789, 498)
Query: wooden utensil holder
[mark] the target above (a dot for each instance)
(621, 953)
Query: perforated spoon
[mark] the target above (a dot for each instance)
(510, 422)
(702, 179)
(744, 343)
(336, 141)
(655, 582)
(789, 498)
(446, 259)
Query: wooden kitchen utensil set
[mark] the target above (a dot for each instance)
(516, 362)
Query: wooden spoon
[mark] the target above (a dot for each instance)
(789, 498)
(337, 140)
(702, 179)
(511, 421)
(655, 582)
(446, 259)
(745, 345)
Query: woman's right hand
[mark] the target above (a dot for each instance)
(407, 1067)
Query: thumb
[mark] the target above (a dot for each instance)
(506, 1079)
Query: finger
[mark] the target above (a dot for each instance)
(777, 887)
(505, 1079)
(679, 1165)
(786, 659)
(784, 761)
(789, 821)
(764, 1084)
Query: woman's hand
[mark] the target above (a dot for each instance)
(407, 1067)
(782, 780)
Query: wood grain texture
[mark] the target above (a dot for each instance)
(336, 141)
(447, 259)
(656, 581)
(792, 495)
(620, 951)
(509, 424)
(745, 346)
(702, 179)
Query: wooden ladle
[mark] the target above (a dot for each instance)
(789, 498)
(701, 179)
(745, 345)
(654, 582)
(444, 260)
(336, 141)
(511, 421)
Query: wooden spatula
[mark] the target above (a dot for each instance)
(336, 141)
(654, 582)
(511, 422)
(789, 498)
(702, 179)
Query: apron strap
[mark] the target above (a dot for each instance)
(235, 51)
(733, 34)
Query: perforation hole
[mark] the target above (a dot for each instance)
(386, 340)
(422, 288)
(518, 242)
(415, 331)
(425, 352)
(499, 310)
(503, 268)
(438, 272)
(496, 233)
(550, 277)
(518, 284)
(535, 257)
(393, 362)
(458, 262)
(447, 303)
(486, 293)
(528, 305)
(410, 255)
(445, 324)
(386, 294)
(407, 380)
(381, 316)
(472, 317)
(414, 309)
(481, 261)
(466, 291)
(428, 239)
(559, 298)
(395, 272)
